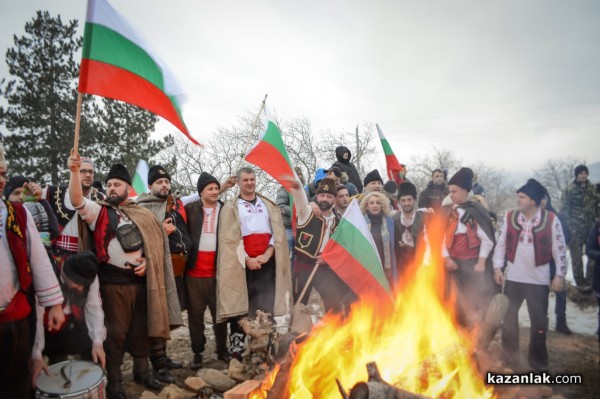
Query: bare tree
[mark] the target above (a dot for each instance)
(555, 174)
(301, 145)
(499, 189)
(360, 142)
(420, 168)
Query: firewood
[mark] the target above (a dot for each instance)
(377, 388)
(381, 390)
(493, 320)
(279, 390)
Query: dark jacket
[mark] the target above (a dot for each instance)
(433, 196)
(346, 166)
(195, 221)
(283, 203)
(592, 250)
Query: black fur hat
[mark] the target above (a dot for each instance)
(204, 180)
(463, 178)
(157, 172)
(534, 190)
(81, 268)
(407, 188)
(118, 171)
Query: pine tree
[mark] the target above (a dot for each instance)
(123, 133)
(41, 97)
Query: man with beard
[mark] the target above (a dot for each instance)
(253, 262)
(435, 192)
(312, 234)
(25, 271)
(342, 200)
(133, 251)
(71, 227)
(343, 156)
(169, 211)
(409, 223)
(467, 248)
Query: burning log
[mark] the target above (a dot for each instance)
(493, 320)
(377, 388)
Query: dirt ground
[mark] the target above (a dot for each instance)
(573, 355)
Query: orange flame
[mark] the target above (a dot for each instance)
(415, 342)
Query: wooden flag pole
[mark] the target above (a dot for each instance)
(262, 106)
(77, 122)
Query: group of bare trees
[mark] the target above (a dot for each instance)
(223, 154)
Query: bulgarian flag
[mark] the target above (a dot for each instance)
(116, 63)
(140, 179)
(352, 255)
(395, 170)
(269, 154)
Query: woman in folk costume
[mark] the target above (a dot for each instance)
(376, 208)
(468, 244)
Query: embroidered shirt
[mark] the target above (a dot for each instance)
(45, 283)
(407, 237)
(524, 270)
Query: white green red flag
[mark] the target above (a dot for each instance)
(140, 179)
(116, 63)
(395, 170)
(269, 154)
(352, 255)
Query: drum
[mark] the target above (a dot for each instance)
(72, 379)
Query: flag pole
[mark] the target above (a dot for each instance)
(77, 122)
(262, 106)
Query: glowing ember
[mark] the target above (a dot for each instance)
(415, 342)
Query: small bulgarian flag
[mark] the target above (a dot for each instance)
(117, 64)
(269, 154)
(140, 179)
(395, 170)
(352, 255)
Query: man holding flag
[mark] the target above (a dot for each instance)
(312, 234)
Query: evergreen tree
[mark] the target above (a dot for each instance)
(123, 136)
(41, 97)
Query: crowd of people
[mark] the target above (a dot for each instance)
(88, 271)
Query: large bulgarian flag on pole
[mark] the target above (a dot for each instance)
(116, 63)
(269, 154)
(395, 170)
(352, 255)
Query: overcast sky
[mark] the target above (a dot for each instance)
(509, 83)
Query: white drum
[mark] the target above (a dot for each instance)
(72, 379)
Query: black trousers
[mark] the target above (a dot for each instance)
(334, 292)
(536, 297)
(15, 352)
(261, 288)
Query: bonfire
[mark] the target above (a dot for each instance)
(412, 340)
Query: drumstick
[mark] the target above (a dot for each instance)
(64, 375)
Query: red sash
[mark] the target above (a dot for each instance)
(256, 244)
(205, 265)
